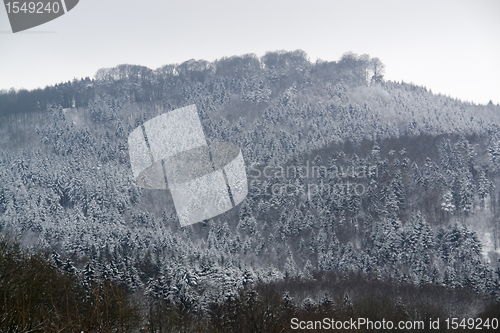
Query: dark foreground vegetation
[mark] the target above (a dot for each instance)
(37, 296)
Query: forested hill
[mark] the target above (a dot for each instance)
(351, 92)
(397, 183)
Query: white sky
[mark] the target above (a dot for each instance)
(451, 47)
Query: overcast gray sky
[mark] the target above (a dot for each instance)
(451, 47)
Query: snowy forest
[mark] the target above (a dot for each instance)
(367, 197)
